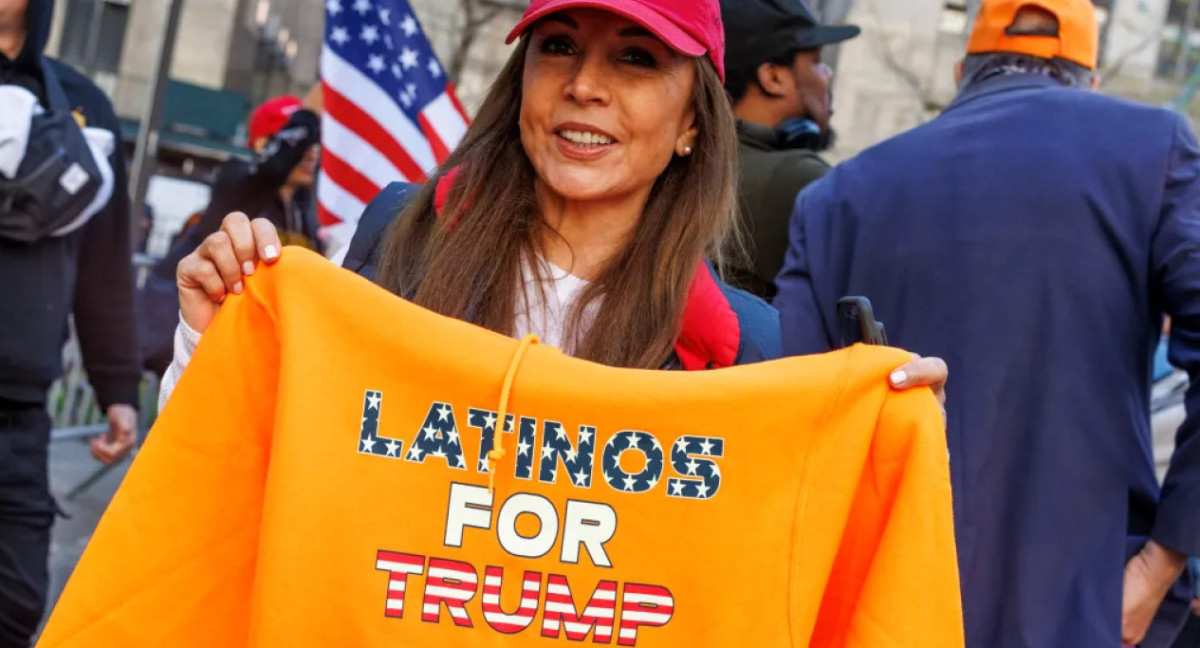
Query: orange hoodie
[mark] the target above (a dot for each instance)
(320, 478)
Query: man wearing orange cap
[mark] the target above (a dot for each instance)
(1033, 235)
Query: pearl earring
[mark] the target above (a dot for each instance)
(687, 150)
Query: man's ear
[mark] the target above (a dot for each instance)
(772, 80)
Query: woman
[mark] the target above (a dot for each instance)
(580, 205)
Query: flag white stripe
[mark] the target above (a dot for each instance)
(357, 153)
(371, 99)
(389, 565)
(447, 122)
(644, 617)
(448, 593)
(633, 597)
(338, 201)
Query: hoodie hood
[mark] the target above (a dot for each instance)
(38, 16)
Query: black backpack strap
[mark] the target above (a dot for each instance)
(55, 94)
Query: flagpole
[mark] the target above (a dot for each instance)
(145, 152)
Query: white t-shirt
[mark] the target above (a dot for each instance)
(549, 307)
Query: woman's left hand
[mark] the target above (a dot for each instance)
(923, 372)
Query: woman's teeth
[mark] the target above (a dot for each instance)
(582, 138)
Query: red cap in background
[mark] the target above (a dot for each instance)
(270, 117)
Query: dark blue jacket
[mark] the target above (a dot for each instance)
(1032, 236)
(722, 326)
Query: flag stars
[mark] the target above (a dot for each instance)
(585, 435)
(387, 42)
(409, 25)
(702, 490)
(547, 452)
(430, 431)
(334, 7)
(677, 487)
(434, 69)
(489, 421)
(692, 466)
(369, 34)
(581, 478)
(368, 445)
(681, 444)
(396, 70)
(561, 434)
(362, 6)
(375, 63)
(634, 440)
(408, 58)
(462, 463)
(483, 465)
(373, 399)
(385, 15)
(630, 482)
(706, 447)
(453, 435)
(444, 412)
(339, 35)
(414, 453)
(392, 448)
(522, 448)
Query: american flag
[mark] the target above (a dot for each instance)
(390, 113)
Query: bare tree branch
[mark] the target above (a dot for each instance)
(476, 14)
(883, 47)
(1113, 68)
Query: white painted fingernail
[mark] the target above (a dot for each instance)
(248, 268)
(237, 288)
(270, 252)
(899, 377)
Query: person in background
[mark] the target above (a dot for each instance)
(579, 207)
(83, 268)
(1033, 235)
(781, 96)
(277, 186)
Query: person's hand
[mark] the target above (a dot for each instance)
(219, 265)
(1148, 577)
(121, 436)
(923, 372)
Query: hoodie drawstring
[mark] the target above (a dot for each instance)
(497, 452)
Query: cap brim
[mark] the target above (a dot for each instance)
(675, 38)
(823, 35)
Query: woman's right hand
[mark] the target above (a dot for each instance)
(220, 264)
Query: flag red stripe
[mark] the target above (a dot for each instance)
(348, 177)
(435, 142)
(346, 112)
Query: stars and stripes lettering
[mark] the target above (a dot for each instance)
(493, 612)
(643, 606)
(632, 441)
(526, 447)
(390, 113)
(576, 456)
(485, 421)
(438, 438)
(693, 456)
(369, 440)
(561, 615)
(398, 566)
(451, 583)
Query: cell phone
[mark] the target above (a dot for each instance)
(857, 322)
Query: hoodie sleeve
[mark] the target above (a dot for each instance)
(104, 314)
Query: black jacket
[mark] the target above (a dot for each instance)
(87, 272)
(252, 187)
(770, 178)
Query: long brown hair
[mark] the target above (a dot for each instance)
(468, 264)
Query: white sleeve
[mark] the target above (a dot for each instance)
(186, 340)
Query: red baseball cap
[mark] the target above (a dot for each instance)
(690, 27)
(270, 117)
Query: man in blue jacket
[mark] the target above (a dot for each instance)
(1033, 236)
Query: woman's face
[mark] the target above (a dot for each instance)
(605, 105)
